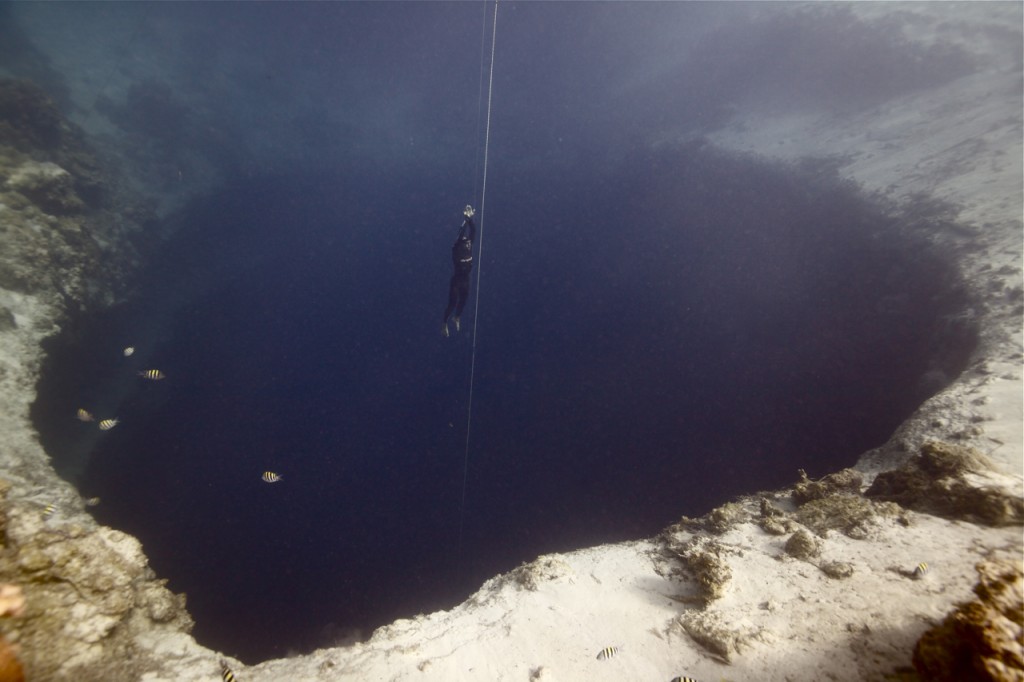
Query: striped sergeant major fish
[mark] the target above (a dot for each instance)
(683, 679)
(83, 415)
(128, 350)
(607, 652)
(270, 477)
(920, 571)
(226, 673)
(108, 424)
(49, 510)
(152, 374)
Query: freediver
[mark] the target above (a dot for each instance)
(462, 262)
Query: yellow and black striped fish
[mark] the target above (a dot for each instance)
(84, 415)
(683, 679)
(49, 510)
(226, 673)
(108, 424)
(92, 501)
(920, 571)
(128, 350)
(607, 652)
(270, 477)
(152, 374)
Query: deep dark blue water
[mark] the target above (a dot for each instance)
(661, 328)
(644, 352)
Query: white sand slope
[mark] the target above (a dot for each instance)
(780, 619)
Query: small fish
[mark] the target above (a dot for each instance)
(683, 679)
(270, 477)
(92, 502)
(108, 424)
(48, 511)
(128, 351)
(607, 652)
(152, 374)
(920, 571)
(84, 415)
(226, 673)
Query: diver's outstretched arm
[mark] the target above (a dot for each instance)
(468, 222)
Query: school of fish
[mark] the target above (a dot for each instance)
(106, 424)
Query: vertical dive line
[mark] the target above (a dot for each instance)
(479, 269)
(479, 101)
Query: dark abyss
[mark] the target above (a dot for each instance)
(650, 345)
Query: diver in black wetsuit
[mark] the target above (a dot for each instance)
(462, 260)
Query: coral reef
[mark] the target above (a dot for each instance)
(51, 200)
(88, 592)
(982, 639)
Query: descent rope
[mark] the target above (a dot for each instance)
(479, 269)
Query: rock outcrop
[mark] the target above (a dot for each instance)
(982, 639)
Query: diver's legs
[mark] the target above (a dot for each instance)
(463, 296)
(453, 298)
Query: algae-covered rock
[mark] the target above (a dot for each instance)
(802, 545)
(773, 520)
(945, 459)
(845, 481)
(721, 639)
(983, 639)
(937, 482)
(851, 515)
(725, 517)
(704, 560)
(836, 569)
(774, 526)
(542, 569)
